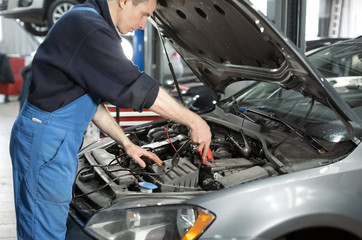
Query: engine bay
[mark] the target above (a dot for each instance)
(236, 159)
(105, 170)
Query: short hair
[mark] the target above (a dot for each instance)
(136, 2)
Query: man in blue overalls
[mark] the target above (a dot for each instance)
(80, 64)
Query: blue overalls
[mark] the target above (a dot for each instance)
(44, 149)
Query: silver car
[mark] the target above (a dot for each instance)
(37, 15)
(285, 158)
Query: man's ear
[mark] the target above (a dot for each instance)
(122, 3)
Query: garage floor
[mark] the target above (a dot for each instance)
(8, 113)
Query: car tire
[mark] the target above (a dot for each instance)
(58, 8)
(35, 29)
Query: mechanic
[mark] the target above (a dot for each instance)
(79, 65)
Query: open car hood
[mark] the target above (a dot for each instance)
(224, 41)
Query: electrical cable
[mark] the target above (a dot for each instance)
(102, 187)
(132, 172)
(79, 172)
(167, 126)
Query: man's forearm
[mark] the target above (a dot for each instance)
(104, 121)
(168, 107)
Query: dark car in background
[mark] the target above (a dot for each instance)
(37, 15)
(316, 44)
(286, 154)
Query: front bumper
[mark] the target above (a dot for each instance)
(75, 231)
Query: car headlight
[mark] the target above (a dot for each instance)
(25, 3)
(184, 222)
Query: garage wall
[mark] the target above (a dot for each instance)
(340, 18)
(351, 19)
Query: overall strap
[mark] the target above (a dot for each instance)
(85, 9)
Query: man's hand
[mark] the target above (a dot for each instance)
(136, 152)
(103, 120)
(201, 136)
(167, 107)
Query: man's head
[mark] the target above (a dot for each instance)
(130, 15)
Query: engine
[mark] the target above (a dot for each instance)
(236, 159)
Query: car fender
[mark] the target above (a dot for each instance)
(326, 196)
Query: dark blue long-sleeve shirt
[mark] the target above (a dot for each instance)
(81, 54)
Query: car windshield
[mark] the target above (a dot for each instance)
(340, 64)
(290, 109)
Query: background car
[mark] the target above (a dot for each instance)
(37, 15)
(313, 45)
(286, 153)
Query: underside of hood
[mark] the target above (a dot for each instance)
(224, 41)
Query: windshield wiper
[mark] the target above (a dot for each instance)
(304, 135)
(236, 107)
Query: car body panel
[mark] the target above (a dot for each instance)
(32, 13)
(276, 206)
(262, 52)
